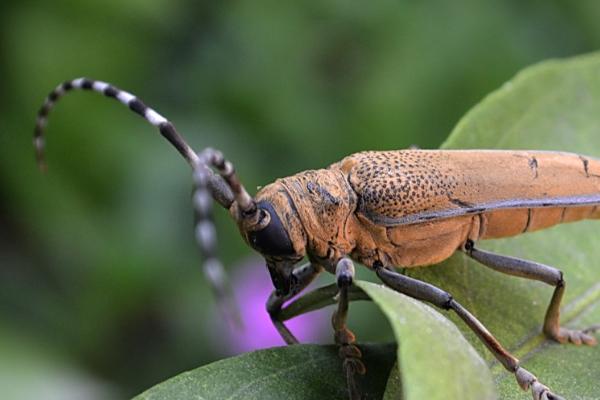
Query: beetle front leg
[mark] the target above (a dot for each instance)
(344, 273)
(539, 272)
(274, 304)
(303, 276)
(442, 299)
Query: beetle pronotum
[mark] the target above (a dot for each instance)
(388, 209)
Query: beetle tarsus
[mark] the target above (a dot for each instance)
(350, 367)
(539, 391)
(575, 336)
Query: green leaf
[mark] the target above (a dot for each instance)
(296, 372)
(429, 343)
(554, 106)
(436, 362)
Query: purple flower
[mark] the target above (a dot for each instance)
(252, 286)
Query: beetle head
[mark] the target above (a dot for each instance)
(275, 231)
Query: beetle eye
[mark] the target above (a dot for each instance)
(273, 239)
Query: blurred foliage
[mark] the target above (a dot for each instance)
(97, 258)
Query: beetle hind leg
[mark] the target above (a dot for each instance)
(426, 292)
(540, 272)
(349, 352)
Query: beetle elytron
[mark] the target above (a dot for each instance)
(386, 209)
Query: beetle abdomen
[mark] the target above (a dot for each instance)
(511, 222)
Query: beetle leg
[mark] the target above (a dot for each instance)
(303, 276)
(538, 272)
(344, 273)
(274, 304)
(426, 292)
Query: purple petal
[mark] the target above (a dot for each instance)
(252, 286)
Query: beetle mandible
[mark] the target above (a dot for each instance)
(385, 209)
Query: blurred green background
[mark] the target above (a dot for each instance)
(101, 291)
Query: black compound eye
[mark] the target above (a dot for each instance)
(273, 239)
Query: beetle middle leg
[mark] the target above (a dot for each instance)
(302, 276)
(540, 272)
(426, 292)
(344, 273)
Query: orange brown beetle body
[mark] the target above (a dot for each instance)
(385, 209)
(412, 208)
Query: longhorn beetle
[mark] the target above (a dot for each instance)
(385, 209)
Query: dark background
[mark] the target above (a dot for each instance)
(101, 292)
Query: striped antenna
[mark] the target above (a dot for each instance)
(207, 186)
(206, 237)
(166, 128)
(225, 168)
